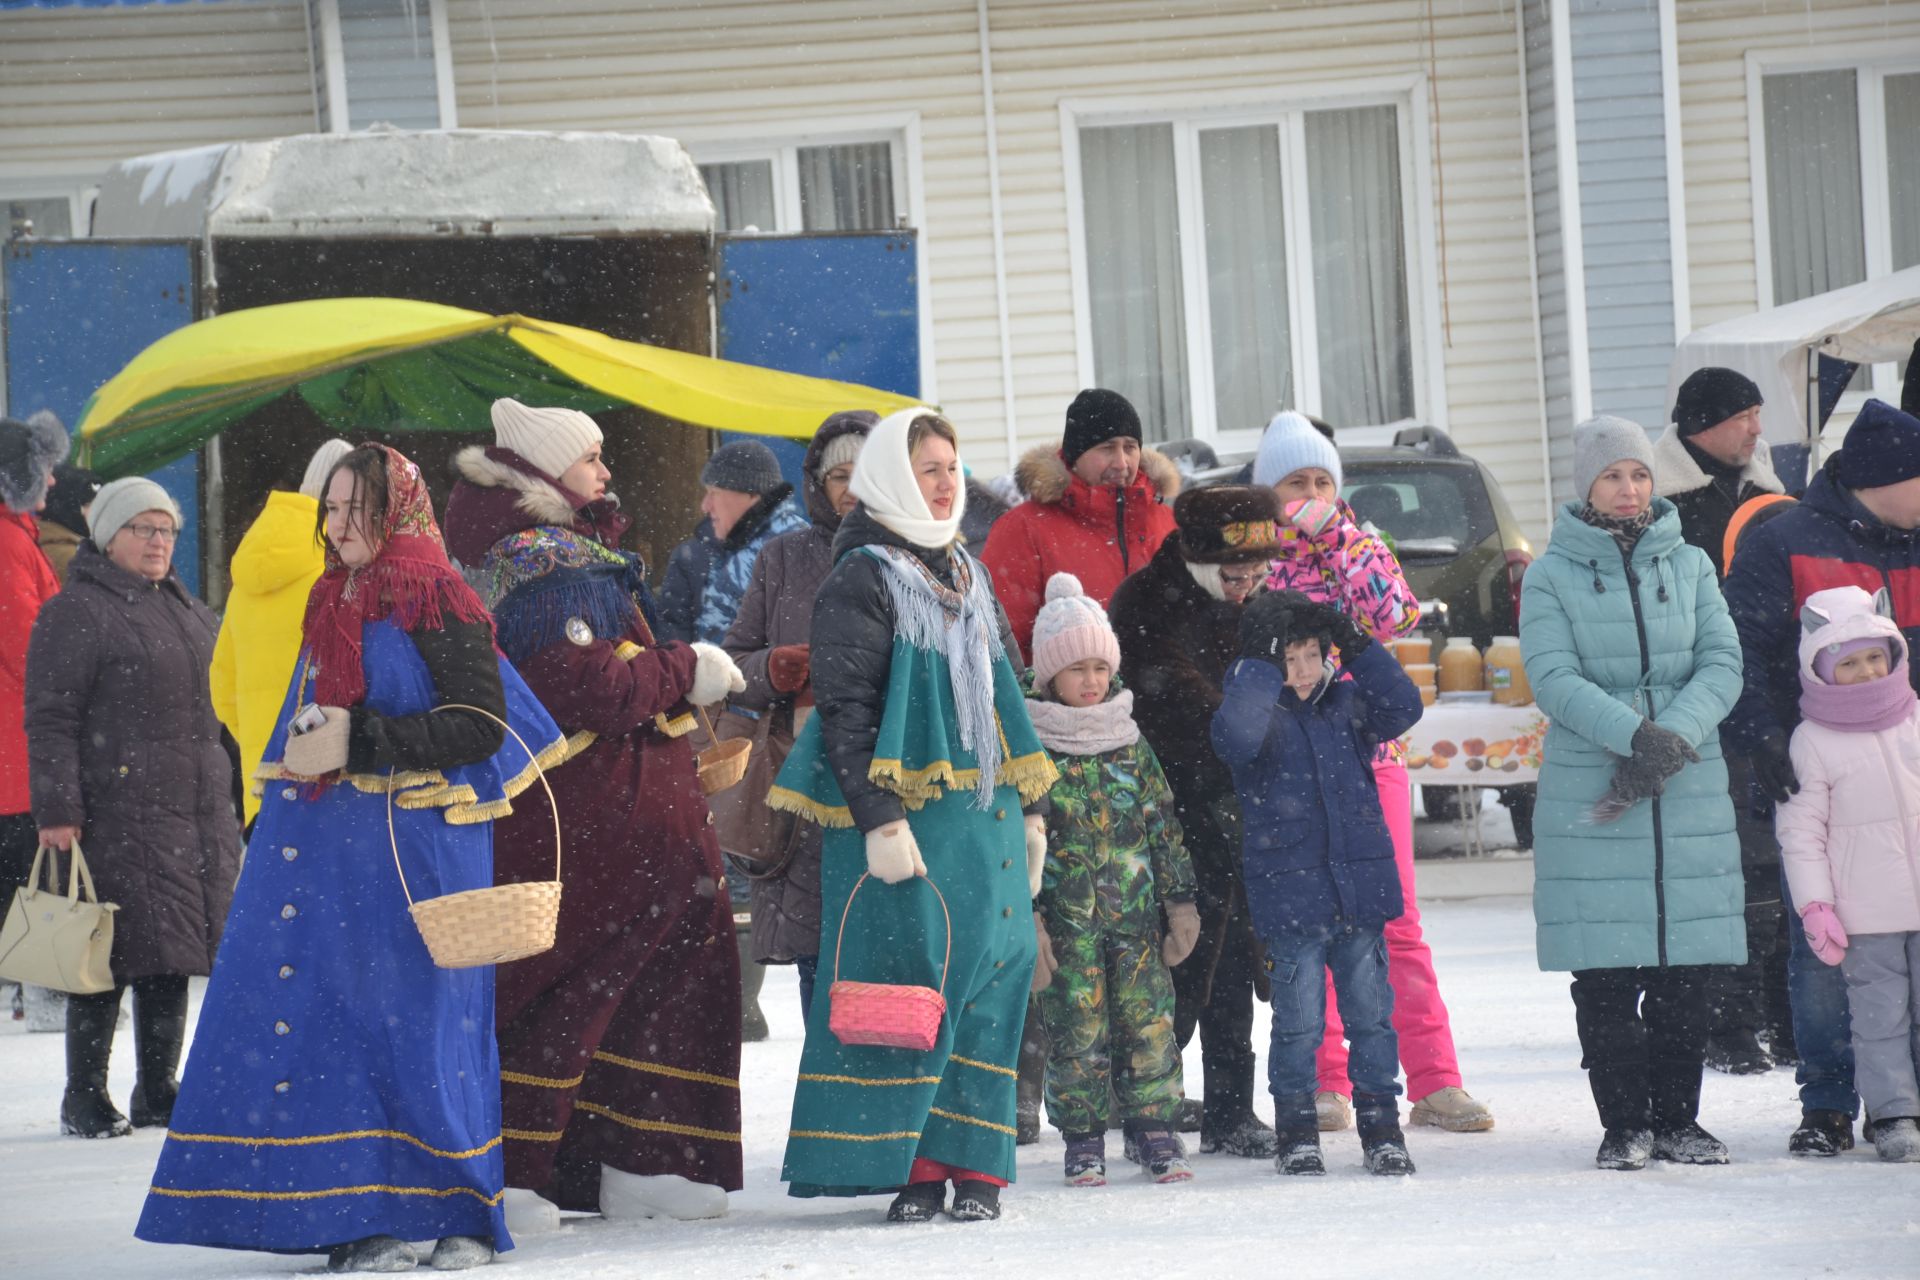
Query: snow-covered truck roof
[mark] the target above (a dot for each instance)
(404, 183)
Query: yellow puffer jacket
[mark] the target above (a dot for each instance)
(273, 570)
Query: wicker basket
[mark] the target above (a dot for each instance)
(724, 763)
(488, 926)
(891, 1015)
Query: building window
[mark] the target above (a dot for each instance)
(1842, 191)
(1233, 269)
(836, 186)
(382, 62)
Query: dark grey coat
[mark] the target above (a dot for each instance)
(122, 742)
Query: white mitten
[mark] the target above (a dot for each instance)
(321, 749)
(714, 675)
(893, 854)
(1036, 852)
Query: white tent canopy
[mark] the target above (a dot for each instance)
(1869, 323)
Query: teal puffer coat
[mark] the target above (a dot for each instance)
(1605, 647)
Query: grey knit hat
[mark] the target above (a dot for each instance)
(744, 466)
(1601, 441)
(28, 451)
(119, 501)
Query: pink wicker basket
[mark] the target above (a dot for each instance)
(882, 1013)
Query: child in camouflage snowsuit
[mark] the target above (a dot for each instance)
(1114, 861)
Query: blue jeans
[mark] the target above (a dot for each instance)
(1822, 1027)
(1296, 961)
(806, 967)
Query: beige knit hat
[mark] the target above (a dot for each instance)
(119, 501)
(551, 439)
(320, 466)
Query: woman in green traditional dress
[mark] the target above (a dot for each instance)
(921, 764)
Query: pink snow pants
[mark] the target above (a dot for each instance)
(1419, 1015)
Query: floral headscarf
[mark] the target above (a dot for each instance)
(410, 583)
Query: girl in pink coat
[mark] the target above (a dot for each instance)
(1850, 841)
(1326, 556)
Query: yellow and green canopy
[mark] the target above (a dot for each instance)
(397, 365)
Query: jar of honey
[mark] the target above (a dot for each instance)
(1505, 673)
(1421, 673)
(1460, 666)
(1413, 648)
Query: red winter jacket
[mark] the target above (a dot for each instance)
(1067, 525)
(26, 583)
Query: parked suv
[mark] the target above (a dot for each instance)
(1457, 540)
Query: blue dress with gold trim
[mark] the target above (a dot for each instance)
(340, 1085)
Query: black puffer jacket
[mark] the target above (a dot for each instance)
(853, 654)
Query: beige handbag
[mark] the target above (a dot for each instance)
(60, 941)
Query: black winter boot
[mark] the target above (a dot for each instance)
(1385, 1149)
(1033, 1078)
(86, 1111)
(1822, 1133)
(159, 1029)
(974, 1201)
(1688, 1144)
(1625, 1148)
(1300, 1152)
(1246, 1135)
(918, 1202)
(1737, 1052)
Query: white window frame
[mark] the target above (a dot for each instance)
(326, 13)
(780, 142)
(1285, 108)
(1870, 72)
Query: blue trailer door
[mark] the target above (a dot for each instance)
(76, 312)
(843, 305)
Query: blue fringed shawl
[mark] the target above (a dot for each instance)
(538, 579)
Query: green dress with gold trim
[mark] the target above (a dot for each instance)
(861, 1113)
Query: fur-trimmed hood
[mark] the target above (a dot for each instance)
(1044, 477)
(499, 493)
(1675, 471)
(28, 451)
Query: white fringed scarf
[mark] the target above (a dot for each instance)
(884, 483)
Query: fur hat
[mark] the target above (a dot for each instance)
(28, 451)
(1710, 396)
(551, 439)
(1291, 442)
(743, 466)
(320, 466)
(1228, 524)
(1882, 448)
(1070, 627)
(120, 501)
(1601, 441)
(1095, 417)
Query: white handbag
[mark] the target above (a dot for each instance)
(62, 941)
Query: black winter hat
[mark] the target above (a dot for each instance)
(1710, 396)
(28, 450)
(1095, 417)
(1882, 448)
(1275, 619)
(744, 466)
(73, 488)
(1228, 524)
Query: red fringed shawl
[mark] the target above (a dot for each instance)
(410, 583)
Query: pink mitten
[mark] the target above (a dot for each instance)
(1824, 934)
(1312, 516)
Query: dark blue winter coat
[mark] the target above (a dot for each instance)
(1316, 849)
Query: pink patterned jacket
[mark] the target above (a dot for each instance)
(1351, 569)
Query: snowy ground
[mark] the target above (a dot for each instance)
(1523, 1200)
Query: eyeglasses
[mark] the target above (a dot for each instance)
(1240, 579)
(148, 532)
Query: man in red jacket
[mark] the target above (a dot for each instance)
(29, 451)
(1098, 507)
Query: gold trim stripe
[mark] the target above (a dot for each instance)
(788, 800)
(894, 1080)
(983, 1066)
(439, 1193)
(833, 1136)
(984, 1124)
(655, 1126)
(313, 1140)
(533, 1135)
(541, 1082)
(660, 1069)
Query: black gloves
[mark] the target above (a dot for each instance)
(1773, 769)
(1275, 619)
(1659, 753)
(1349, 637)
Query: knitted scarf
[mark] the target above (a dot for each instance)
(1085, 731)
(410, 583)
(1860, 708)
(961, 625)
(1626, 530)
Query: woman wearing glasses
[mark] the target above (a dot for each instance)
(124, 754)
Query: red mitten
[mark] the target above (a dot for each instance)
(788, 667)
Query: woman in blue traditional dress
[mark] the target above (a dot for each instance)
(920, 764)
(343, 1094)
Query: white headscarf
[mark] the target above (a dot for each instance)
(884, 483)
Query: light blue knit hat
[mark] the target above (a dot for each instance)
(1290, 443)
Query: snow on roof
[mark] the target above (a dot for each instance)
(398, 182)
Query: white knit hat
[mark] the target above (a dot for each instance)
(1070, 627)
(1289, 443)
(119, 501)
(320, 465)
(551, 439)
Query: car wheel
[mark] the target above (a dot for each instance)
(1443, 804)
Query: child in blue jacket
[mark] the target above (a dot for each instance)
(1298, 734)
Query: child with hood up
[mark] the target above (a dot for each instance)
(1114, 862)
(1850, 840)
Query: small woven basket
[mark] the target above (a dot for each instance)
(895, 1016)
(724, 763)
(488, 926)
